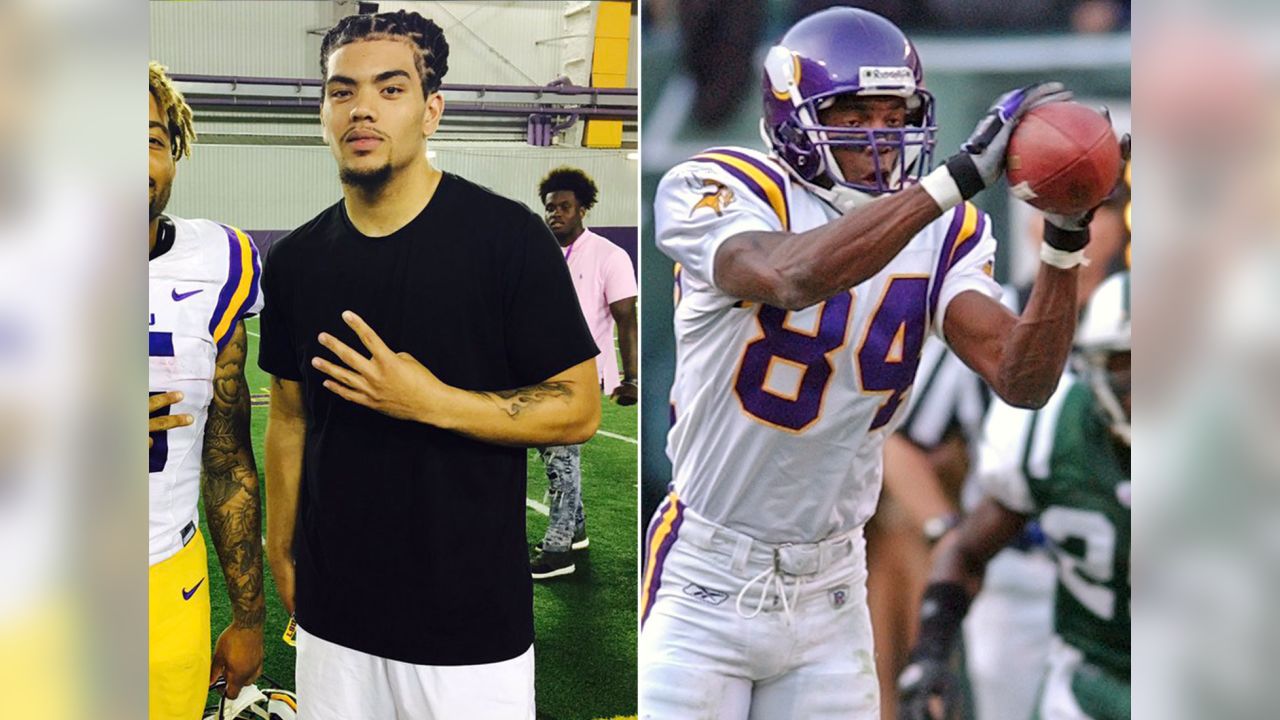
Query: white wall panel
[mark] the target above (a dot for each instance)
(499, 43)
(239, 37)
(505, 43)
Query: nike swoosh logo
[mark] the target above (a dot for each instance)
(186, 594)
(178, 297)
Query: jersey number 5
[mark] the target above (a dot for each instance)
(161, 345)
(886, 358)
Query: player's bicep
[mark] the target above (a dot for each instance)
(229, 386)
(226, 430)
(745, 268)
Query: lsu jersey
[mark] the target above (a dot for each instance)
(780, 416)
(199, 289)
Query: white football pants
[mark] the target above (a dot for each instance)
(737, 629)
(1007, 634)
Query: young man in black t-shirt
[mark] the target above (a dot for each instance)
(421, 333)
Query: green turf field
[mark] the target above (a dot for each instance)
(585, 622)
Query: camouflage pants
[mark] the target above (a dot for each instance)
(564, 504)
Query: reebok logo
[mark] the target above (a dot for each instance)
(711, 597)
(179, 297)
(187, 594)
(872, 77)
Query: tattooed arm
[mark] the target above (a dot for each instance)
(562, 410)
(233, 511)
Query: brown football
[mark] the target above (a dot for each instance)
(1063, 158)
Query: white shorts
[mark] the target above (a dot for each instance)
(1007, 634)
(338, 683)
(702, 653)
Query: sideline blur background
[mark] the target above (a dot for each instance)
(73, 502)
(1206, 553)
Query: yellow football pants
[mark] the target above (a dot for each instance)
(179, 634)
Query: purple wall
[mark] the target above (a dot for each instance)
(625, 237)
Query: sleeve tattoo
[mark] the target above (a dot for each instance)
(513, 402)
(230, 488)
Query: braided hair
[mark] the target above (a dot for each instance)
(573, 180)
(432, 51)
(174, 109)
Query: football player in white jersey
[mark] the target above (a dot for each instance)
(203, 282)
(808, 279)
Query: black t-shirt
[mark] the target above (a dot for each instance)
(410, 541)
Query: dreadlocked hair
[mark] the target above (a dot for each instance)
(431, 58)
(174, 109)
(573, 180)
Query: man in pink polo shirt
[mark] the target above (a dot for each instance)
(606, 285)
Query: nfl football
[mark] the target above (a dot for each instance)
(1063, 158)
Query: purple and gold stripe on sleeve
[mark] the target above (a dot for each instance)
(663, 531)
(760, 178)
(967, 226)
(240, 291)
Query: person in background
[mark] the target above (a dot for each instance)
(606, 285)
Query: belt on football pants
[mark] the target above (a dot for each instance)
(743, 550)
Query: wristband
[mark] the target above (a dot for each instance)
(1063, 259)
(965, 173)
(1066, 240)
(942, 610)
(942, 188)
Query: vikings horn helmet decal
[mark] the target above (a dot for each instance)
(834, 52)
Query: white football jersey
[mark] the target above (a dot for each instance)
(780, 417)
(199, 289)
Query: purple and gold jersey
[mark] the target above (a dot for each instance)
(199, 289)
(780, 416)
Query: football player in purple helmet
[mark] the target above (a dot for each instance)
(808, 278)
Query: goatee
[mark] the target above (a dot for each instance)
(159, 200)
(366, 180)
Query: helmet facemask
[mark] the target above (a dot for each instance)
(912, 144)
(1109, 385)
(806, 145)
(1103, 356)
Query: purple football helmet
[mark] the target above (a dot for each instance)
(835, 52)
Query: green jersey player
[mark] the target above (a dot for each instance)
(1068, 464)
